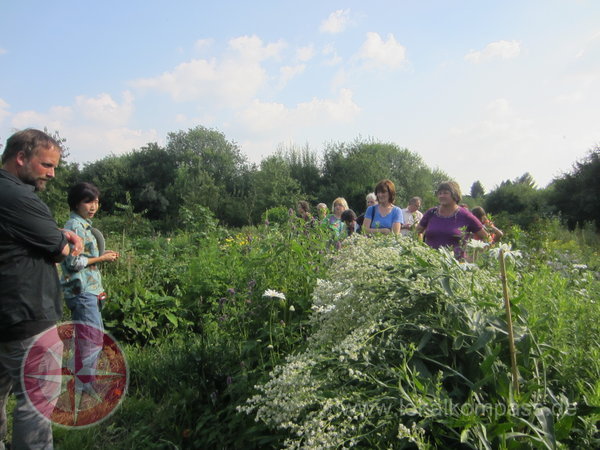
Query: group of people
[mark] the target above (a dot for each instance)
(449, 224)
(31, 294)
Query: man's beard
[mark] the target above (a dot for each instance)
(38, 183)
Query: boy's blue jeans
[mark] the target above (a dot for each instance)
(89, 337)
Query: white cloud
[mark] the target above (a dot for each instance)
(103, 109)
(289, 72)
(3, 51)
(379, 53)
(305, 54)
(93, 126)
(231, 81)
(265, 118)
(334, 58)
(4, 112)
(252, 48)
(495, 50)
(202, 44)
(336, 22)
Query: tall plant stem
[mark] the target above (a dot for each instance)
(511, 336)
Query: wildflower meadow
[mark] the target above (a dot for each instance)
(269, 337)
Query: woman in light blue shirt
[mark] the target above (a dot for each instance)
(385, 217)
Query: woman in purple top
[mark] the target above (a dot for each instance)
(446, 224)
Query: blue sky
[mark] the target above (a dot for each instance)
(482, 90)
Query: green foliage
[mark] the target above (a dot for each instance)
(125, 221)
(395, 345)
(353, 170)
(477, 190)
(519, 201)
(273, 186)
(278, 215)
(145, 288)
(575, 194)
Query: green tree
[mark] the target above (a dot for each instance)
(519, 201)
(477, 190)
(219, 163)
(272, 186)
(353, 170)
(304, 168)
(575, 194)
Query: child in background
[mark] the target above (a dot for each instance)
(349, 219)
(494, 232)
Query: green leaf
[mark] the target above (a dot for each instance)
(172, 318)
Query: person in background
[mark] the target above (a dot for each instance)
(334, 221)
(371, 200)
(412, 216)
(30, 297)
(447, 224)
(494, 232)
(349, 220)
(322, 212)
(303, 209)
(385, 217)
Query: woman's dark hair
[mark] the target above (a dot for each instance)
(82, 192)
(387, 185)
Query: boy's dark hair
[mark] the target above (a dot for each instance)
(348, 215)
(82, 192)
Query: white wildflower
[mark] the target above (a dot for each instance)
(273, 294)
(580, 266)
(292, 309)
(467, 266)
(508, 252)
(475, 243)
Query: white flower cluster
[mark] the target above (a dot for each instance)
(350, 378)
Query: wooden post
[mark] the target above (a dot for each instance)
(511, 337)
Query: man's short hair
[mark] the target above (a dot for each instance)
(27, 141)
(415, 200)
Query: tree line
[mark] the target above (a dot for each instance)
(200, 173)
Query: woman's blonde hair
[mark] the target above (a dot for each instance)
(339, 201)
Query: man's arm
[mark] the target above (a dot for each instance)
(72, 240)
